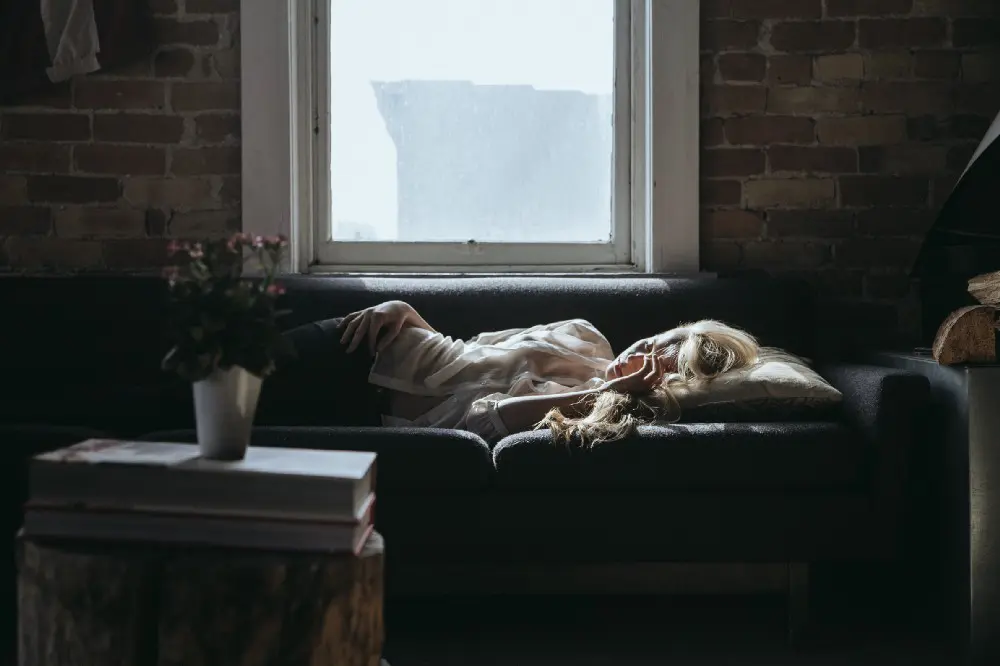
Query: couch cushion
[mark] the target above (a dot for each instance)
(733, 457)
(410, 459)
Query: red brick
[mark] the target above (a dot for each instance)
(809, 223)
(888, 286)
(883, 191)
(742, 66)
(942, 188)
(25, 220)
(895, 221)
(138, 128)
(861, 130)
(98, 222)
(764, 130)
(785, 254)
(732, 162)
(811, 36)
(936, 65)
(135, 253)
(777, 9)
(231, 192)
(57, 96)
(194, 33)
(903, 159)
(790, 193)
(156, 223)
(721, 192)
(96, 93)
(812, 100)
(712, 132)
(716, 8)
(890, 33)
(731, 224)
(13, 190)
(975, 32)
(959, 156)
(217, 127)
(173, 193)
(204, 224)
(849, 8)
(174, 63)
(812, 159)
(789, 70)
(980, 67)
(720, 255)
(206, 161)
(53, 254)
(34, 157)
(225, 63)
(911, 98)
(840, 68)
(707, 69)
(956, 8)
(46, 126)
(883, 252)
(206, 95)
(73, 189)
(163, 7)
(120, 160)
(968, 127)
(733, 100)
(729, 35)
(979, 100)
(211, 6)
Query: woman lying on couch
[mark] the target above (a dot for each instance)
(562, 376)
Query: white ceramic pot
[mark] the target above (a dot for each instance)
(224, 407)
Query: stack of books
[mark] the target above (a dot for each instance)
(274, 499)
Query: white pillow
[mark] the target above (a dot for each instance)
(779, 386)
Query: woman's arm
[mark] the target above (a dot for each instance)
(524, 412)
(388, 318)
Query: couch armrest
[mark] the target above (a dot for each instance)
(884, 405)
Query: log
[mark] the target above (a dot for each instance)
(968, 335)
(149, 605)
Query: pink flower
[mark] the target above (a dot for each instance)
(173, 247)
(196, 252)
(275, 289)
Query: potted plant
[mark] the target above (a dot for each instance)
(224, 333)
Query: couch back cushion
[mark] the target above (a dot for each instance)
(82, 350)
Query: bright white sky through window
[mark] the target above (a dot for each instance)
(421, 49)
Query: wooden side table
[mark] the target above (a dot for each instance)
(129, 605)
(955, 490)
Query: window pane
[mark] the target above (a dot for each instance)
(458, 120)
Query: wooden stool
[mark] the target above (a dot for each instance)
(102, 604)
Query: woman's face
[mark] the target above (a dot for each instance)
(632, 359)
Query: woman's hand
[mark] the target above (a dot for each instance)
(387, 318)
(638, 374)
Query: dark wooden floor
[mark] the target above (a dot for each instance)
(707, 631)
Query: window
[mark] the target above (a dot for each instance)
(473, 135)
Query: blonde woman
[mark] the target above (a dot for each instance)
(562, 376)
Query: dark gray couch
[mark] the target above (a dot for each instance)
(801, 491)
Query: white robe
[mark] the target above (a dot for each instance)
(472, 376)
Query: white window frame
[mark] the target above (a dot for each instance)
(284, 150)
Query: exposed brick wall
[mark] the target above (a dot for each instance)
(97, 173)
(832, 130)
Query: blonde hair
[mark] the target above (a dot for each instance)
(707, 349)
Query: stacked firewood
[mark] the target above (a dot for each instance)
(968, 335)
